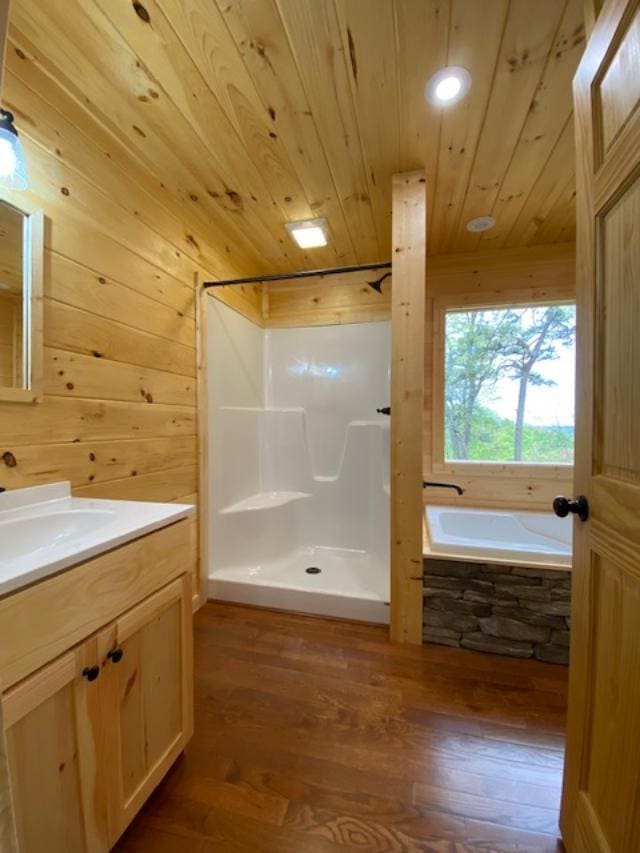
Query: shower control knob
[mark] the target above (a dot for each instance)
(563, 506)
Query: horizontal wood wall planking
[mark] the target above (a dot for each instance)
(76, 330)
(100, 462)
(119, 414)
(70, 374)
(502, 491)
(474, 279)
(347, 298)
(326, 300)
(167, 485)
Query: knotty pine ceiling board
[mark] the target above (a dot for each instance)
(245, 114)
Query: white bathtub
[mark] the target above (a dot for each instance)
(527, 538)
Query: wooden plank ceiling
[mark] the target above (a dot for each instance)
(246, 114)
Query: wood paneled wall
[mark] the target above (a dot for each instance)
(326, 301)
(540, 272)
(119, 415)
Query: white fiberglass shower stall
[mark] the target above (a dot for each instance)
(298, 465)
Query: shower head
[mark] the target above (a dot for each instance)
(377, 284)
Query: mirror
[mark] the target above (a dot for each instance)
(21, 257)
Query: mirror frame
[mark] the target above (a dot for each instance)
(32, 278)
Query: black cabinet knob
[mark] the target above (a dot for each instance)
(563, 506)
(115, 655)
(91, 672)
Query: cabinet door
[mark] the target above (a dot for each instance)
(149, 677)
(52, 726)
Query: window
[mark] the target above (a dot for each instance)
(509, 384)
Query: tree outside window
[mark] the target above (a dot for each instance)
(509, 384)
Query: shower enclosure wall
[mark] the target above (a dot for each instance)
(299, 465)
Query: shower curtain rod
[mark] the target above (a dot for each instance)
(376, 285)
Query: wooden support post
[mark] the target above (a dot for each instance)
(407, 388)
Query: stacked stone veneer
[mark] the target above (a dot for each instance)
(506, 610)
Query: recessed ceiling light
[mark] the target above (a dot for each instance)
(480, 223)
(309, 233)
(448, 86)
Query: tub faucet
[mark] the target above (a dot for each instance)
(427, 484)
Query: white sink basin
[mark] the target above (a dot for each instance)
(43, 529)
(23, 536)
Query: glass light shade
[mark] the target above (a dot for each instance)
(13, 171)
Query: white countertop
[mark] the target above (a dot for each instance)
(44, 529)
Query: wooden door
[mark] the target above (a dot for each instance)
(53, 730)
(149, 681)
(601, 799)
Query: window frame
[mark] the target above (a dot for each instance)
(499, 299)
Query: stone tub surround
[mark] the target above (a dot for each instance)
(507, 610)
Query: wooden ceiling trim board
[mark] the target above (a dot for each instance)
(366, 30)
(204, 32)
(262, 43)
(96, 158)
(314, 36)
(527, 41)
(161, 58)
(461, 124)
(422, 28)
(66, 41)
(544, 124)
(546, 190)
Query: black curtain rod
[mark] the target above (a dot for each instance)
(382, 265)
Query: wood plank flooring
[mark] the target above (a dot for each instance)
(316, 736)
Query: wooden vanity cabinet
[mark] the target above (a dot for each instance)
(148, 687)
(53, 726)
(90, 734)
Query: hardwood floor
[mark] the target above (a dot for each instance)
(315, 736)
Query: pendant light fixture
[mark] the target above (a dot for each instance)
(13, 170)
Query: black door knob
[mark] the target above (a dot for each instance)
(115, 655)
(385, 410)
(91, 672)
(563, 506)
